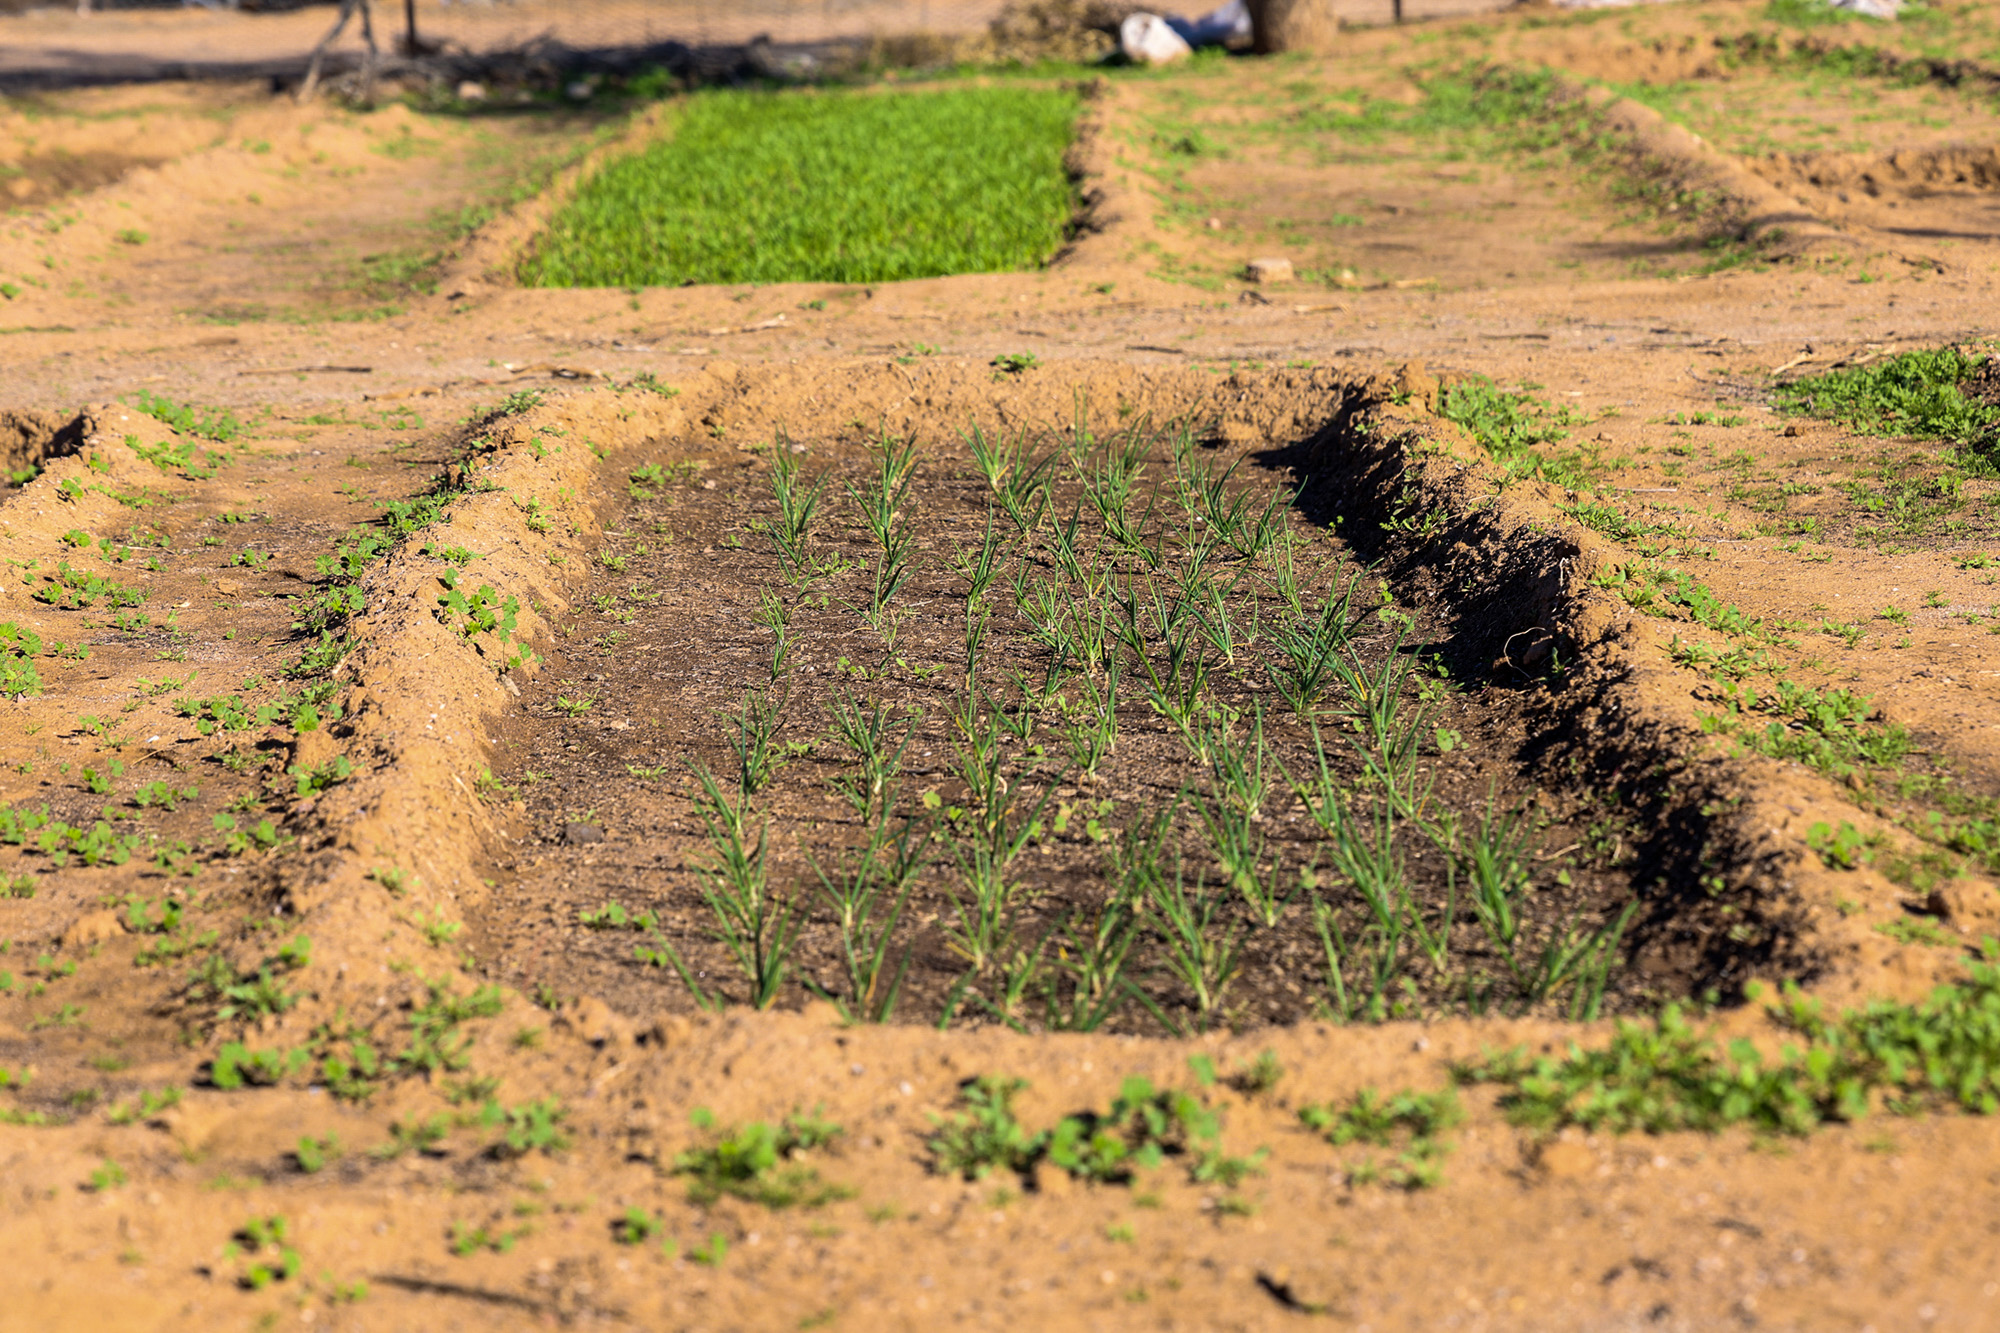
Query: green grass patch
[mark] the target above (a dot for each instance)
(757, 1162)
(19, 646)
(1515, 427)
(219, 425)
(1660, 590)
(1916, 394)
(1834, 731)
(1145, 1126)
(1905, 1059)
(831, 187)
(1652, 538)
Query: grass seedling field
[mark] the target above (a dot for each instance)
(1060, 731)
(837, 187)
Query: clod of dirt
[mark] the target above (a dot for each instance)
(1970, 908)
(578, 834)
(31, 438)
(1983, 384)
(95, 928)
(592, 1021)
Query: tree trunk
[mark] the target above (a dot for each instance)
(1294, 25)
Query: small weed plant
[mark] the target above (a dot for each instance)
(762, 1163)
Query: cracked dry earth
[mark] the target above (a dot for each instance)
(324, 846)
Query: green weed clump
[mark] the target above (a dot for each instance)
(1513, 427)
(986, 1136)
(1143, 1127)
(355, 1061)
(1901, 1058)
(260, 1250)
(1514, 106)
(99, 844)
(1916, 394)
(838, 187)
(19, 647)
(1819, 14)
(1504, 423)
(1832, 730)
(175, 458)
(759, 1162)
(1651, 538)
(1658, 590)
(220, 426)
(1412, 1121)
(484, 612)
(72, 589)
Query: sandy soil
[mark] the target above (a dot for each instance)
(305, 270)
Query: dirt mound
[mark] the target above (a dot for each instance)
(29, 438)
(1912, 173)
(1684, 162)
(1080, 30)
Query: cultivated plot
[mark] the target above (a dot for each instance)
(1059, 731)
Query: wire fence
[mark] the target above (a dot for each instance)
(125, 40)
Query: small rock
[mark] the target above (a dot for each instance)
(471, 91)
(1215, 224)
(1347, 279)
(579, 91)
(94, 928)
(577, 834)
(1414, 379)
(1268, 270)
(314, 749)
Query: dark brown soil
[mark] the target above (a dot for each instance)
(668, 644)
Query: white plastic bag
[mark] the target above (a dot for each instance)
(1887, 10)
(1147, 40)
